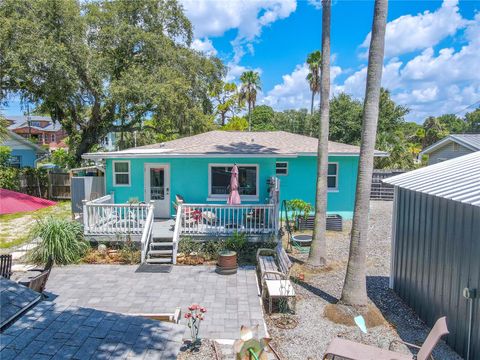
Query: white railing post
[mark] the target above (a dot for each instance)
(147, 233)
(85, 216)
(177, 230)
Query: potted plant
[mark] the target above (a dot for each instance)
(300, 212)
(228, 257)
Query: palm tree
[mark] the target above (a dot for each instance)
(248, 91)
(355, 288)
(314, 60)
(318, 249)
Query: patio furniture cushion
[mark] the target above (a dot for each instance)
(352, 350)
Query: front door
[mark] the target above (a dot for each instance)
(157, 188)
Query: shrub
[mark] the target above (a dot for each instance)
(236, 242)
(60, 238)
(9, 178)
(129, 254)
(5, 155)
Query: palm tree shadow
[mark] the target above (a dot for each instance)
(318, 292)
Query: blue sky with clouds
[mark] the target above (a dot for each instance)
(432, 49)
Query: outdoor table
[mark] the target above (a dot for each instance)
(279, 289)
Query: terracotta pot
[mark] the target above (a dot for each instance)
(227, 262)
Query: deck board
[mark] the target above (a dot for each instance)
(163, 228)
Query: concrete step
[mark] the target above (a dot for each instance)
(160, 252)
(159, 261)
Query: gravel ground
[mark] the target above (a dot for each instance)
(314, 332)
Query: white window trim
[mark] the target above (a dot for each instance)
(129, 173)
(216, 197)
(286, 168)
(335, 189)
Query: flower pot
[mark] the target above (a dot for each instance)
(227, 262)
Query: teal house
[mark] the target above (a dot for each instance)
(197, 168)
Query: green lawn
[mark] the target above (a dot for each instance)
(15, 228)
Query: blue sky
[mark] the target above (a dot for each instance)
(432, 49)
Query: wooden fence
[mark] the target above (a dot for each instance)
(380, 190)
(55, 186)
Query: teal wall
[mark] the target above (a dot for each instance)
(189, 177)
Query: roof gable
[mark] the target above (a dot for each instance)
(470, 141)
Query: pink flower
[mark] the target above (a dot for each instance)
(203, 310)
(199, 316)
(193, 307)
(188, 316)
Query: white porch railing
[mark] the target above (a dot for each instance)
(222, 219)
(102, 217)
(147, 233)
(176, 233)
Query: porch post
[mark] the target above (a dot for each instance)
(85, 216)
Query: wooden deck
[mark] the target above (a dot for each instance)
(163, 228)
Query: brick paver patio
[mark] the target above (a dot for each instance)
(231, 301)
(53, 331)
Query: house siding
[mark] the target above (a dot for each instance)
(189, 178)
(27, 157)
(447, 152)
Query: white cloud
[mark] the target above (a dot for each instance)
(205, 46)
(433, 82)
(235, 70)
(417, 32)
(215, 18)
(294, 91)
(317, 4)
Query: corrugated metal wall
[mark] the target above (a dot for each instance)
(437, 255)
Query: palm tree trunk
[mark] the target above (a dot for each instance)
(311, 104)
(354, 289)
(249, 117)
(318, 249)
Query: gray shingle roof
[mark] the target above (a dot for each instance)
(240, 142)
(268, 143)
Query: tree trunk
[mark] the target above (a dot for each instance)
(355, 288)
(318, 249)
(311, 104)
(249, 117)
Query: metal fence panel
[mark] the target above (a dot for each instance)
(437, 255)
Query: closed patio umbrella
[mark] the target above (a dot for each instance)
(234, 196)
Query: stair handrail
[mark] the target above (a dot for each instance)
(177, 231)
(147, 232)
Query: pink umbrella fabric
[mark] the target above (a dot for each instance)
(234, 196)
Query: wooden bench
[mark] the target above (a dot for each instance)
(273, 267)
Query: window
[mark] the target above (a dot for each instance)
(121, 173)
(15, 161)
(53, 137)
(332, 179)
(456, 146)
(281, 168)
(219, 180)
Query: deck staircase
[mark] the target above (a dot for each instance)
(160, 251)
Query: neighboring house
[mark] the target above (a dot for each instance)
(24, 152)
(40, 129)
(435, 265)
(198, 168)
(452, 146)
(43, 131)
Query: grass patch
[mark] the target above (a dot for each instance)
(16, 227)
